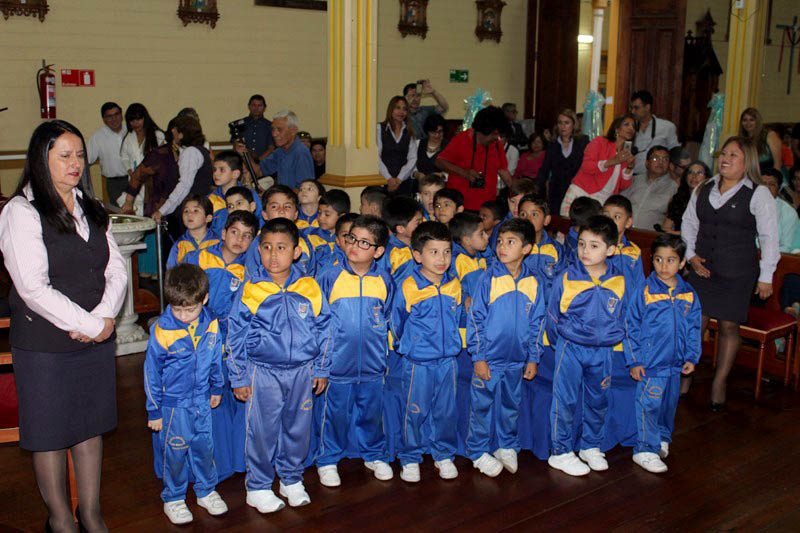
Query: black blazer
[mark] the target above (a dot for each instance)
(559, 170)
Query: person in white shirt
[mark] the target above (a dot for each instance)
(143, 136)
(105, 146)
(651, 130)
(397, 147)
(651, 192)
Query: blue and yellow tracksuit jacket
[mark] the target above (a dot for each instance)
(252, 257)
(321, 240)
(506, 317)
(468, 269)
(663, 327)
(571, 246)
(425, 317)
(224, 279)
(628, 259)
(220, 209)
(327, 258)
(496, 233)
(547, 262)
(360, 315)
(587, 311)
(187, 244)
(307, 221)
(183, 363)
(279, 326)
(397, 259)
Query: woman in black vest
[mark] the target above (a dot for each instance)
(720, 226)
(69, 283)
(563, 158)
(397, 148)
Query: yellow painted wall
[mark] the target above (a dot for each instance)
(451, 43)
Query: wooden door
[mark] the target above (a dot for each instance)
(651, 54)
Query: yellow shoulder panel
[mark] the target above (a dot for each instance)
(653, 298)
(414, 295)
(500, 285)
(218, 202)
(398, 257)
(529, 287)
(184, 247)
(687, 296)
(168, 337)
(206, 260)
(453, 289)
(254, 294)
(615, 285)
(308, 288)
(345, 286)
(549, 250)
(466, 265)
(237, 270)
(572, 288)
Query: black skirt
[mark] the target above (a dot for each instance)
(65, 398)
(725, 298)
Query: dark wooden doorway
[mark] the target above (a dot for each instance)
(650, 54)
(551, 75)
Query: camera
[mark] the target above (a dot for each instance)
(478, 183)
(236, 129)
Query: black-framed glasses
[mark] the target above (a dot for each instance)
(361, 243)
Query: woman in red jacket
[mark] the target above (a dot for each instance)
(607, 166)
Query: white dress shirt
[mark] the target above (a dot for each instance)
(189, 162)
(665, 135)
(25, 258)
(411, 158)
(650, 199)
(762, 206)
(105, 145)
(132, 152)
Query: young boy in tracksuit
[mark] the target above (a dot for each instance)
(228, 166)
(627, 258)
(585, 319)
(322, 238)
(183, 383)
(196, 215)
(518, 188)
(360, 295)
(503, 332)
(580, 211)
(336, 255)
(278, 356)
(470, 254)
(663, 326)
(425, 314)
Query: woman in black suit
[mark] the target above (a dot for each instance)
(563, 158)
(69, 282)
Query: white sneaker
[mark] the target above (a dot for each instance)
(295, 493)
(177, 512)
(329, 476)
(447, 470)
(264, 501)
(664, 452)
(508, 457)
(488, 465)
(213, 503)
(594, 458)
(650, 461)
(410, 473)
(569, 464)
(382, 470)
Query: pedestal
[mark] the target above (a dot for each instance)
(131, 337)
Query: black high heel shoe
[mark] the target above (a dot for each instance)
(717, 407)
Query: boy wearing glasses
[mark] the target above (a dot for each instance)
(359, 292)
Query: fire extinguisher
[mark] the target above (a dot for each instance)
(46, 83)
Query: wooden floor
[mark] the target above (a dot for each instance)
(734, 470)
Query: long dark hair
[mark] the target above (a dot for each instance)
(37, 174)
(137, 111)
(611, 133)
(191, 130)
(677, 204)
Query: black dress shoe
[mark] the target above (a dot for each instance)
(717, 407)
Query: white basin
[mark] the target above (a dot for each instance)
(129, 229)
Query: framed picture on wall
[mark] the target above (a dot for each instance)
(413, 18)
(489, 19)
(198, 11)
(320, 5)
(24, 8)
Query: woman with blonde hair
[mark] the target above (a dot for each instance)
(720, 225)
(397, 147)
(563, 158)
(766, 141)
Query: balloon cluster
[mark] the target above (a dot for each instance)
(593, 114)
(708, 149)
(475, 103)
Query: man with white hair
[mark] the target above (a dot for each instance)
(291, 161)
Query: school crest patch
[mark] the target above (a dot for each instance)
(528, 307)
(302, 310)
(234, 285)
(612, 304)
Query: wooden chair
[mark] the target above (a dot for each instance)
(11, 434)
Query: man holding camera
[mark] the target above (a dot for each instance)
(255, 132)
(413, 93)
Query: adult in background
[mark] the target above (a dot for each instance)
(291, 160)
(651, 192)
(318, 156)
(679, 159)
(695, 173)
(788, 222)
(105, 145)
(194, 167)
(475, 158)
(562, 159)
(69, 282)
(256, 131)
(397, 147)
(766, 141)
(516, 135)
(607, 166)
(651, 130)
(143, 137)
(430, 148)
(413, 93)
(531, 161)
(720, 226)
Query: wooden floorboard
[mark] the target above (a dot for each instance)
(734, 470)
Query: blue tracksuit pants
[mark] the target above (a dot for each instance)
(579, 369)
(495, 410)
(352, 419)
(186, 445)
(656, 402)
(430, 392)
(278, 417)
